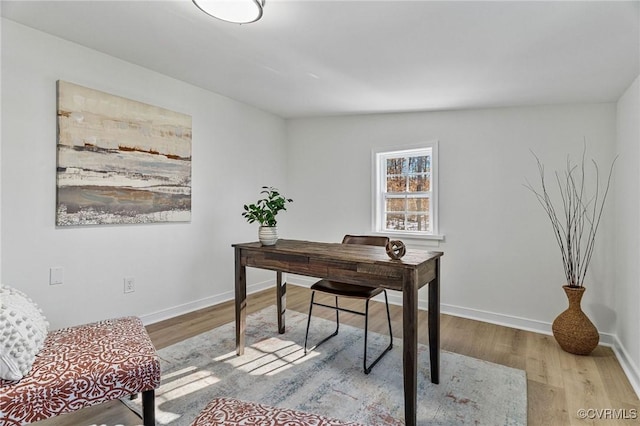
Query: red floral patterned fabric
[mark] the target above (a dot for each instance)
(231, 412)
(82, 366)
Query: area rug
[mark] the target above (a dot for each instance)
(330, 380)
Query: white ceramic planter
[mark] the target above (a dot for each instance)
(268, 235)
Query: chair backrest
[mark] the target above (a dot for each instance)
(367, 240)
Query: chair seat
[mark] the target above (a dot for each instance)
(346, 290)
(353, 291)
(83, 366)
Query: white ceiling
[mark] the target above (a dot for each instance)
(308, 58)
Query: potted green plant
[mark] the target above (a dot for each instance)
(574, 218)
(264, 211)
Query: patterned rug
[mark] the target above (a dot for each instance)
(330, 380)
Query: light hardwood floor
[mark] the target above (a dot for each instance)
(558, 383)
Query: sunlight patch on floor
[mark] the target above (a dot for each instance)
(268, 357)
(180, 384)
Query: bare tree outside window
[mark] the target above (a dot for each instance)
(408, 182)
(405, 185)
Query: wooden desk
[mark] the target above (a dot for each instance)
(357, 264)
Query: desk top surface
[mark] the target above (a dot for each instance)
(342, 252)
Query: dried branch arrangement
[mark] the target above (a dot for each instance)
(576, 217)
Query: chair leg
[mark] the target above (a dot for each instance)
(337, 317)
(306, 336)
(149, 408)
(386, 302)
(366, 333)
(367, 370)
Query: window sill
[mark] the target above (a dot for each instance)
(412, 239)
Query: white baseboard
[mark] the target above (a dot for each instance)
(520, 323)
(630, 368)
(201, 304)
(395, 298)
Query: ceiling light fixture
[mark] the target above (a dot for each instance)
(235, 11)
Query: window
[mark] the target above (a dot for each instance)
(405, 191)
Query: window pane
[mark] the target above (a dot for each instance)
(404, 187)
(418, 205)
(417, 222)
(395, 204)
(396, 183)
(395, 166)
(395, 222)
(419, 183)
(420, 164)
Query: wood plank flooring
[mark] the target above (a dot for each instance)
(558, 383)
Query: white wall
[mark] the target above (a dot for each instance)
(177, 267)
(0, 151)
(501, 262)
(627, 233)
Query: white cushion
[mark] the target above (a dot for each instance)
(23, 329)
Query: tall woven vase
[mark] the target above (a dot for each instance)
(573, 330)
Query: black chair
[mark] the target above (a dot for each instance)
(339, 289)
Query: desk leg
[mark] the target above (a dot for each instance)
(241, 302)
(410, 346)
(434, 325)
(281, 294)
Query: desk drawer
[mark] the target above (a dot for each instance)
(349, 272)
(295, 264)
(369, 275)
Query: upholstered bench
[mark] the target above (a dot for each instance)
(232, 412)
(82, 366)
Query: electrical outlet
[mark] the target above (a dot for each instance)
(56, 275)
(129, 284)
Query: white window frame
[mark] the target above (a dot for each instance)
(379, 189)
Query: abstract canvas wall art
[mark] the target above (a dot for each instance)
(120, 161)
